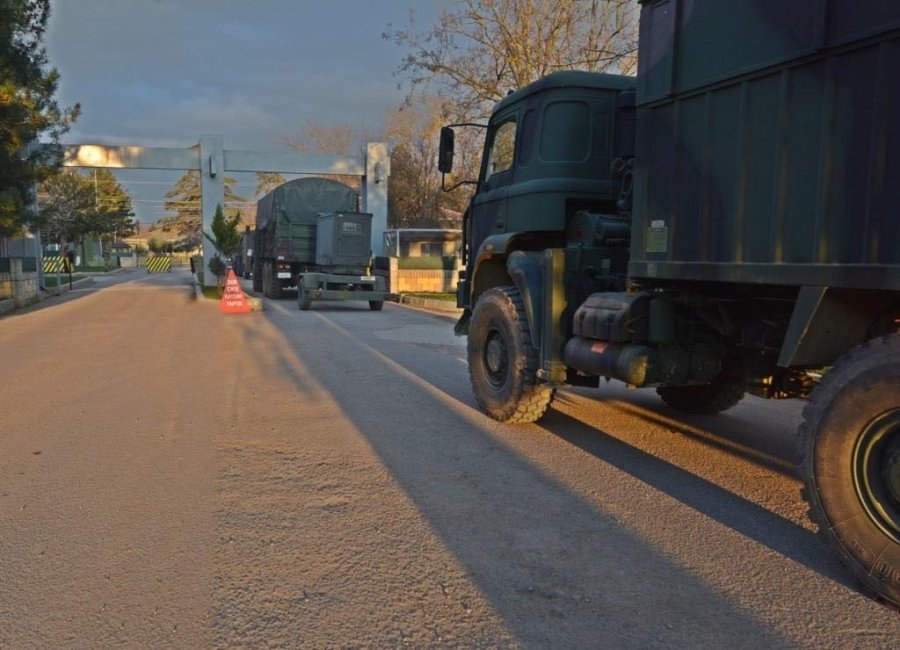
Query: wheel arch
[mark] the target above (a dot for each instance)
(812, 340)
(514, 259)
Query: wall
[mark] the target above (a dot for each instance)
(416, 281)
(17, 286)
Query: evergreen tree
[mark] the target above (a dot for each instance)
(225, 237)
(28, 110)
(184, 201)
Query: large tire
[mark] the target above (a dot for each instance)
(304, 302)
(851, 468)
(267, 280)
(719, 395)
(275, 290)
(376, 305)
(257, 278)
(503, 362)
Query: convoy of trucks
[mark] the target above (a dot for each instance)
(726, 223)
(310, 238)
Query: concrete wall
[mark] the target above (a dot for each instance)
(415, 281)
(18, 287)
(418, 281)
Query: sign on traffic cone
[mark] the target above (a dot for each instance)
(233, 299)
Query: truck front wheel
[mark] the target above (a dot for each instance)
(275, 289)
(304, 300)
(719, 395)
(851, 469)
(503, 362)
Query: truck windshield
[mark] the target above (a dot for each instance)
(502, 147)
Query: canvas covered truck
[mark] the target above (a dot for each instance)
(728, 222)
(310, 238)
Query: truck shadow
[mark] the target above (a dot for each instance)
(555, 566)
(701, 495)
(772, 448)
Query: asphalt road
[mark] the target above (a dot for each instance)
(171, 477)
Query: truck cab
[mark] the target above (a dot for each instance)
(548, 155)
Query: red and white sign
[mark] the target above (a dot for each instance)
(233, 299)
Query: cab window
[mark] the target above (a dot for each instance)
(502, 148)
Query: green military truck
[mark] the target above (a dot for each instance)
(310, 238)
(728, 222)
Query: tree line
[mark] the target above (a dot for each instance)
(452, 71)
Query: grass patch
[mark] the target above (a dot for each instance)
(449, 297)
(50, 280)
(211, 292)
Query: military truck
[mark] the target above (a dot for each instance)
(728, 222)
(309, 237)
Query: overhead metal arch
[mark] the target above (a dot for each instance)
(213, 161)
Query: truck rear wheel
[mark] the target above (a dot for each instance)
(851, 469)
(719, 395)
(376, 305)
(503, 362)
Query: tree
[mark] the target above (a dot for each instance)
(73, 205)
(184, 201)
(267, 181)
(339, 139)
(225, 237)
(113, 204)
(414, 191)
(481, 49)
(66, 203)
(28, 110)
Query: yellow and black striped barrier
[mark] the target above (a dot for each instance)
(56, 264)
(159, 264)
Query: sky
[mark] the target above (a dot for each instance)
(163, 72)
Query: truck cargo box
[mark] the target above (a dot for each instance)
(287, 216)
(768, 145)
(343, 239)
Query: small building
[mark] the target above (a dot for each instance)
(422, 242)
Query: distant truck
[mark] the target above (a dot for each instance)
(728, 222)
(310, 238)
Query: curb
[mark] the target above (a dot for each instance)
(442, 306)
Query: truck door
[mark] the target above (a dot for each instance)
(489, 205)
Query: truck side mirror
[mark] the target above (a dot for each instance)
(445, 153)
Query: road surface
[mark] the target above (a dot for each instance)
(171, 477)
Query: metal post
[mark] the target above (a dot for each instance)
(375, 191)
(212, 193)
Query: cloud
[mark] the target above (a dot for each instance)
(167, 70)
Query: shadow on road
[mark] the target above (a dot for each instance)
(558, 570)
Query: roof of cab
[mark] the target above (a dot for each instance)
(570, 79)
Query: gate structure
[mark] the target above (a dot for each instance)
(213, 161)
